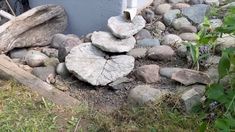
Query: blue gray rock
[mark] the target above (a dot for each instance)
(18, 53)
(196, 13)
(148, 42)
(170, 16)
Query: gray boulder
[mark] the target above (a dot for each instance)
(170, 16)
(162, 8)
(45, 73)
(62, 70)
(171, 40)
(181, 22)
(196, 13)
(143, 94)
(148, 73)
(18, 53)
(35, 58)
(162, 52)
(138, 52)
(148, 43)
(143, 34)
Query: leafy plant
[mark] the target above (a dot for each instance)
(220, 103)
(224, 96)
(205, 39)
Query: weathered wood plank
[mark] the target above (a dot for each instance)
(35, 27)
(46, 90)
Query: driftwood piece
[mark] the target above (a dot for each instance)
(11, 70)
(35, 27)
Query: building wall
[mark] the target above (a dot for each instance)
(86, 16)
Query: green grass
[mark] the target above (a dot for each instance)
(21, 110)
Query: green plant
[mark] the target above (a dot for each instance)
(205, 39)
(220, 103)
(223, 96)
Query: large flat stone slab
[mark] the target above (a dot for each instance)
(90, 64)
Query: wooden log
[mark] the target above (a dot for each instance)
(10, 69)
(35, 27)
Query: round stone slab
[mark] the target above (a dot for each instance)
(122, 28)
(107, 42)
(92, 65)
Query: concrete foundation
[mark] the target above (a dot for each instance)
(86, 16)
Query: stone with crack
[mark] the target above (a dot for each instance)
(122, 28)
(90, 64)
(107, 42)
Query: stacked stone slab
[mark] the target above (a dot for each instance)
(94, 63)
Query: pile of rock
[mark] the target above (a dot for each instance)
(105, 58)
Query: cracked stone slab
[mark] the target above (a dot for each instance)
(122, 28)
(107, 42)
(88, 63)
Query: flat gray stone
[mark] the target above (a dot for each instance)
(138, 52)
(148, 43)
(194, 2)
(171, 40)
(148, 73)
(122, 28)
(50, 52)
(45, 73)
(196, 13)
(188, 36)
(190, 98)
(162, 53)
(175, 1)
(162, 8)
(35, 58)
(107, 42)
(181, 22)
(143, 94)
(168, 71)
(170, 16)
(119, 83)
(92, 65)
(143, 34)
